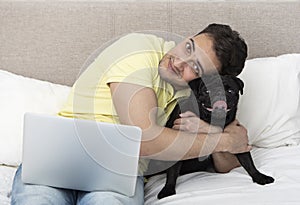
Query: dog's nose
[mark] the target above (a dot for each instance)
(220, 104)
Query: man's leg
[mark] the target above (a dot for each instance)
(224, 162)
(25, 194)
(112, 198)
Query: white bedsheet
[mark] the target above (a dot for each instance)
(6, 179)
(237, 187)
(232, 188)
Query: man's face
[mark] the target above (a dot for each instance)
(190, 59)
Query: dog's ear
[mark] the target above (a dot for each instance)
(194, 84)
(240, 83)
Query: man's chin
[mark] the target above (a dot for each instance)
(164, 74)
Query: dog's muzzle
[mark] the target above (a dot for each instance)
(219, 105)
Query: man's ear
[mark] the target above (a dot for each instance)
(240, 83)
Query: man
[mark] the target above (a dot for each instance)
(137, 81)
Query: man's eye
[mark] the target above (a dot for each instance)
(188, 48)
(195, 68)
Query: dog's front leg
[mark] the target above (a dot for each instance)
(172, 175)
(246, 161)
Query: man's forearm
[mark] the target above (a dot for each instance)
(168, 144)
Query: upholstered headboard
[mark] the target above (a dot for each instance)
(51, 40)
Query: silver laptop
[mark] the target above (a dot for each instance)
(80, 154)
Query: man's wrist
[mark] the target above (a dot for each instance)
(222, 144)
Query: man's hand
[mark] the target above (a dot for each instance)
(234, 141)
(190, 122)
(237, 138)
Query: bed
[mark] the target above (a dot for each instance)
(46, 44)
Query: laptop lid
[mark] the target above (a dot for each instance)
(80, 154)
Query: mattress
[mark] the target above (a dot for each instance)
(236, 187)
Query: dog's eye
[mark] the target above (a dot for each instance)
(230, 91)
(207, 92)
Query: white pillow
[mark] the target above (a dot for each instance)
(270, 106)
(19, 95)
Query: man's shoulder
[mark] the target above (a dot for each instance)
(141, 36)
(142, 39)
(140, 42)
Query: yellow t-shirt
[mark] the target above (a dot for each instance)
(133, 58)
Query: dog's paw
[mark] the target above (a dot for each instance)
(166, 191)
(262, 179)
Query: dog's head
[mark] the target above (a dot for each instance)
(217, 97)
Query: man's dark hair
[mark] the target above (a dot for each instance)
(230, 48)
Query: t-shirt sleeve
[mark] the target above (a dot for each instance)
(135, 60)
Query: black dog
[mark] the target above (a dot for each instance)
(214, 100)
